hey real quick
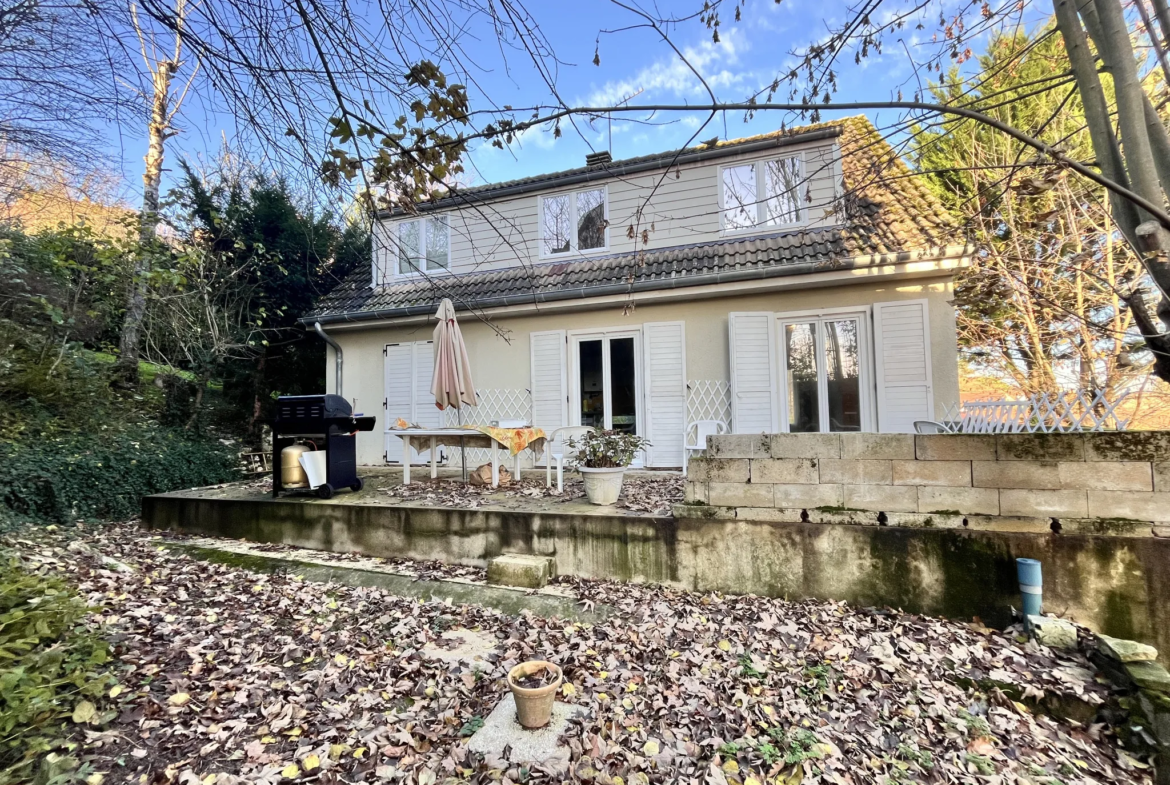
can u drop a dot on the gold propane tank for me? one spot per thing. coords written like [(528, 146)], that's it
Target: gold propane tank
[(292, 475)]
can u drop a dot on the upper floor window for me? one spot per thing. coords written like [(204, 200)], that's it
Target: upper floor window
[(424, 245), (764, 193), (573, 222)]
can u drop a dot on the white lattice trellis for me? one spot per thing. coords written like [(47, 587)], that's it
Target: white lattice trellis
[(494, 404), (1064, 413), (709, 399)]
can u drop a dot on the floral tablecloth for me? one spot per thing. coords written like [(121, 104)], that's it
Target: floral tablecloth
[(514, 439)]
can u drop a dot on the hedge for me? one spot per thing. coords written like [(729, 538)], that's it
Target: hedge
[(105, 476)]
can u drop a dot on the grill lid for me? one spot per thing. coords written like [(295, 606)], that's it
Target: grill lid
[(311, 407)]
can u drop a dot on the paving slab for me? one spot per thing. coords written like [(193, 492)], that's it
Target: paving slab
[(500, 729), (466, 647)]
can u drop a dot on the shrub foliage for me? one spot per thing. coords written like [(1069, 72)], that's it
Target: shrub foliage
[(106, 475), (53, 668)]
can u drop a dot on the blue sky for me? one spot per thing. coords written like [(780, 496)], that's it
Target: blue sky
[(748, 57)]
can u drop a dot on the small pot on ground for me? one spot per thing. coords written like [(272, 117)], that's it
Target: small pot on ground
[(602, 459), (534, 702)]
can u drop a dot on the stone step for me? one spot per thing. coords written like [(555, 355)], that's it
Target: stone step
[(518, 569)]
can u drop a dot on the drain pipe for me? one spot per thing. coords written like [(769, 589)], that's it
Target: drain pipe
[(336, 351), (1031, 586)]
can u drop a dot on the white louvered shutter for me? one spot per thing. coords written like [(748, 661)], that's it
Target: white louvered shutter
[(666, 392), (426, 413), (902, 349), (753, 372), (550, 406), (399, 392)]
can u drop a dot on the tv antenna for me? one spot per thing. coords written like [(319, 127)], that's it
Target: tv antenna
[(609, 117)]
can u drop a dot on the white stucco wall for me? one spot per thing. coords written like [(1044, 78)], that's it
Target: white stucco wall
[(500, 352)]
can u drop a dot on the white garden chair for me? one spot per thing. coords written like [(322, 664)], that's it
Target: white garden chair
[(701, 430), (557, 449)]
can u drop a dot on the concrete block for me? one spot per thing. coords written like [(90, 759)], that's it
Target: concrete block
[(1130, 504), (805, 445), (1043, 503), (1127, 446), (1016, 474), (976, 501), (1121, 650), (1162, 476), (954, 447), (1102, 476), (767, 514), (740, 494), (1006, 523), (738, 445), (790, 470), (696, 492), (502, 732), (878, 446), (516, 569), (1040, 447), (702, 512), (950, 473), (852, 472), (805, 496), (880, 498), (718, 469)]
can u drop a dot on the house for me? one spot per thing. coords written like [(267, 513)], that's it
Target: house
[(795, 281)]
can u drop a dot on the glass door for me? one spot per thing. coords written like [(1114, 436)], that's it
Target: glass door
[(607, 381), (823, 362)]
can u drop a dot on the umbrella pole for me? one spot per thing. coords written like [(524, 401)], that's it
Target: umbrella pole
[(462, 445)]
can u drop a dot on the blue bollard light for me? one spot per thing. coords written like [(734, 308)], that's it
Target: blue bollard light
[(1031, 585)]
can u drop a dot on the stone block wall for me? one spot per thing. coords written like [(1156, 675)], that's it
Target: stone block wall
[(1110, 479)]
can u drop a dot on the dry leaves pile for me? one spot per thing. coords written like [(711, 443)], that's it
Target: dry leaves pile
[(641, 493), (267, 678)]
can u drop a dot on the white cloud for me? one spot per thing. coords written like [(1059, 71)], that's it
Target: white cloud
[(716, 62)]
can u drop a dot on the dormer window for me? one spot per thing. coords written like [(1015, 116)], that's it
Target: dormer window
[(424, 245), (573, 222), (761, 194)]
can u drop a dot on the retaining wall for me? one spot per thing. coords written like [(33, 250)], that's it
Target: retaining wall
[(1114, 479)]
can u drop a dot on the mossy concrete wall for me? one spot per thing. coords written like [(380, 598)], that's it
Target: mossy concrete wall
[(1119, 585)]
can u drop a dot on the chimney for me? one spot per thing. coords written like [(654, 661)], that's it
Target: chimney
[(598, 160)]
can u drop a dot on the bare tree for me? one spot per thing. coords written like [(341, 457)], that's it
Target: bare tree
[(164, 104)]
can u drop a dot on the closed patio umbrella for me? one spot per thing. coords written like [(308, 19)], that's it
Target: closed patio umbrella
[(451, 385)]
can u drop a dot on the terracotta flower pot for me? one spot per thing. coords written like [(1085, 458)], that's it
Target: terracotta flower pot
[(534, 706)]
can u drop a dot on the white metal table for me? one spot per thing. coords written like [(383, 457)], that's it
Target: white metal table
[(435, 436)]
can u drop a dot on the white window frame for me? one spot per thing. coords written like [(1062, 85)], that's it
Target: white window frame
[(573, 249), (761, 197), (573, 371), (867, 370), (393, 250)]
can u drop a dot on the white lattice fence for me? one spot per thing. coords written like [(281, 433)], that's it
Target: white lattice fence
[(709, 399), (494, 404), (1042, 413)]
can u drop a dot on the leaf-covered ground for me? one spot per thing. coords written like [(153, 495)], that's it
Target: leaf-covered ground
[(255, 678)]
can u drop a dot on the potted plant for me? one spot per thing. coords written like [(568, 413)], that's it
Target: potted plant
[(534, 685), (602, 458)]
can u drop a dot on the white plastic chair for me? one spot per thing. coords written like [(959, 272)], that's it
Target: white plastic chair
[(702, 429), (557, 449), (930, 426)]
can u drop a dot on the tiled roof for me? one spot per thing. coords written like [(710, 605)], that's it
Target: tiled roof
[(886, 211)]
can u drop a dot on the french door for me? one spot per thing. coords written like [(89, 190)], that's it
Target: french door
[(605, 378), (825, 374)]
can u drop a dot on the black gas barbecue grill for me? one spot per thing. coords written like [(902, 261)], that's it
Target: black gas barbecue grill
[(328, 420)]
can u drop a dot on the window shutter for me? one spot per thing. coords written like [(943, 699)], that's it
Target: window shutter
[(549, 388), (902, 348), (753, 372), (399, 383), (426, 413), (666, 391)]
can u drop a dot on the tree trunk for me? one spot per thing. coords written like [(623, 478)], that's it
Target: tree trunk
[(159, 130)]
